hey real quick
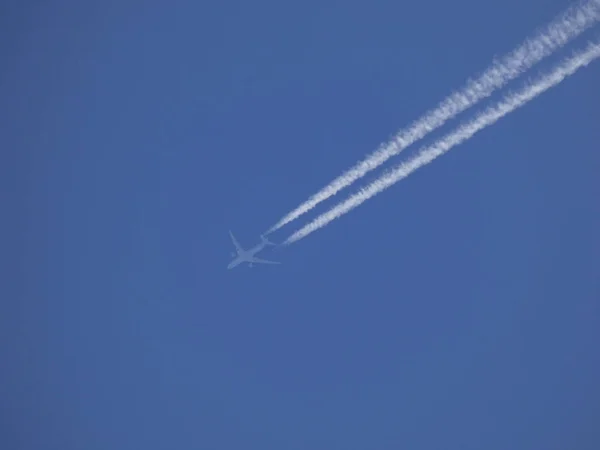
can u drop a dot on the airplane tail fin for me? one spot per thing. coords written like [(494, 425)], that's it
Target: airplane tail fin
[(266, 241)]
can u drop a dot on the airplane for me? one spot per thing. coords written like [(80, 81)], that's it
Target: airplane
[(241, 255)]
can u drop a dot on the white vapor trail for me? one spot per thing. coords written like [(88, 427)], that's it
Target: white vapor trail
[(558, 33), (427, 154)]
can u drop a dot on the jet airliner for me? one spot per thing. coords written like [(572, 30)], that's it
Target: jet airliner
[(242, 255)]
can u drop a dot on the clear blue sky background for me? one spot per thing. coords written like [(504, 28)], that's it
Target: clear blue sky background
[(458, 310)]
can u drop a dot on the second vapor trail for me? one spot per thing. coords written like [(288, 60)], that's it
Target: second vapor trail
[(461, 134), (570, 24)]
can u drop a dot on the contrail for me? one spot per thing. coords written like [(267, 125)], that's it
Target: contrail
[(566, 27), (464, 132)]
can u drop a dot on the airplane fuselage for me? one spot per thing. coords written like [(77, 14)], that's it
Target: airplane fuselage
[(245, 256), (249, 256)]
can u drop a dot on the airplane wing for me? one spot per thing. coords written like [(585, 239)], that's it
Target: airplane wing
[(238, 247), (263, 261)]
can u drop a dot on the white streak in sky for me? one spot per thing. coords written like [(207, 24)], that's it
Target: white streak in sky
[(566, 27), (427, 154)]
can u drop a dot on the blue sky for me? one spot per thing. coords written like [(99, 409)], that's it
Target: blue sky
[(458, 310)]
